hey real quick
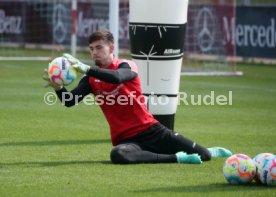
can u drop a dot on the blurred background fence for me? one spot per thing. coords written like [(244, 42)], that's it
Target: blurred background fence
[(219, 32)]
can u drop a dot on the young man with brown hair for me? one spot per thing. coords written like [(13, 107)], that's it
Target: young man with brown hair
[(136, 135)]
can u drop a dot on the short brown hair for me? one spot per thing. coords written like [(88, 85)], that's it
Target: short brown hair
[(104, 35)]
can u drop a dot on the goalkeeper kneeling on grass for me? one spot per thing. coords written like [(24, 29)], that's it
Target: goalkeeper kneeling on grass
[(136, 135)]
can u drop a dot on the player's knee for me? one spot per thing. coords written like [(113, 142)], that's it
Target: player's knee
[(118, 155)]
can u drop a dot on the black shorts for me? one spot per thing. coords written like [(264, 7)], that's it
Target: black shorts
[(160, 139)]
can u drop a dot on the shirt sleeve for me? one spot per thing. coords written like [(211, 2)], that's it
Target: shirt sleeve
[(70, 99), (124, 73)]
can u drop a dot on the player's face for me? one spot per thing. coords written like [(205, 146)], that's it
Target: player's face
[(101, 53)]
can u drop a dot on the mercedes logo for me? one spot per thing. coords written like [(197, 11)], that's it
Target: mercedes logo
[(205, 32), (59, 23)]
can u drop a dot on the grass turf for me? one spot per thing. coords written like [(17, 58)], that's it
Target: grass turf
[(55, 151)]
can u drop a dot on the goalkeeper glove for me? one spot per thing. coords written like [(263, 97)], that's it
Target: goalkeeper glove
[(81, 67), (49, 82)]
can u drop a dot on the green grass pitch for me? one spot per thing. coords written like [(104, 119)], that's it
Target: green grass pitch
[(57, 151)]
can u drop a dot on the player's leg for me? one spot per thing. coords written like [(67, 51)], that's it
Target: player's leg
[(182, 143), (131, 153), (160, 145), (152, 146), (188, 146), (160, 139)]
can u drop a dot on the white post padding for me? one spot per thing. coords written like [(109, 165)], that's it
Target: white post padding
[(158, 11), (160, 26)]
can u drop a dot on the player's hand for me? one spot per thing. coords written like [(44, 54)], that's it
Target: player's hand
[(49, 82), (81, 67)]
